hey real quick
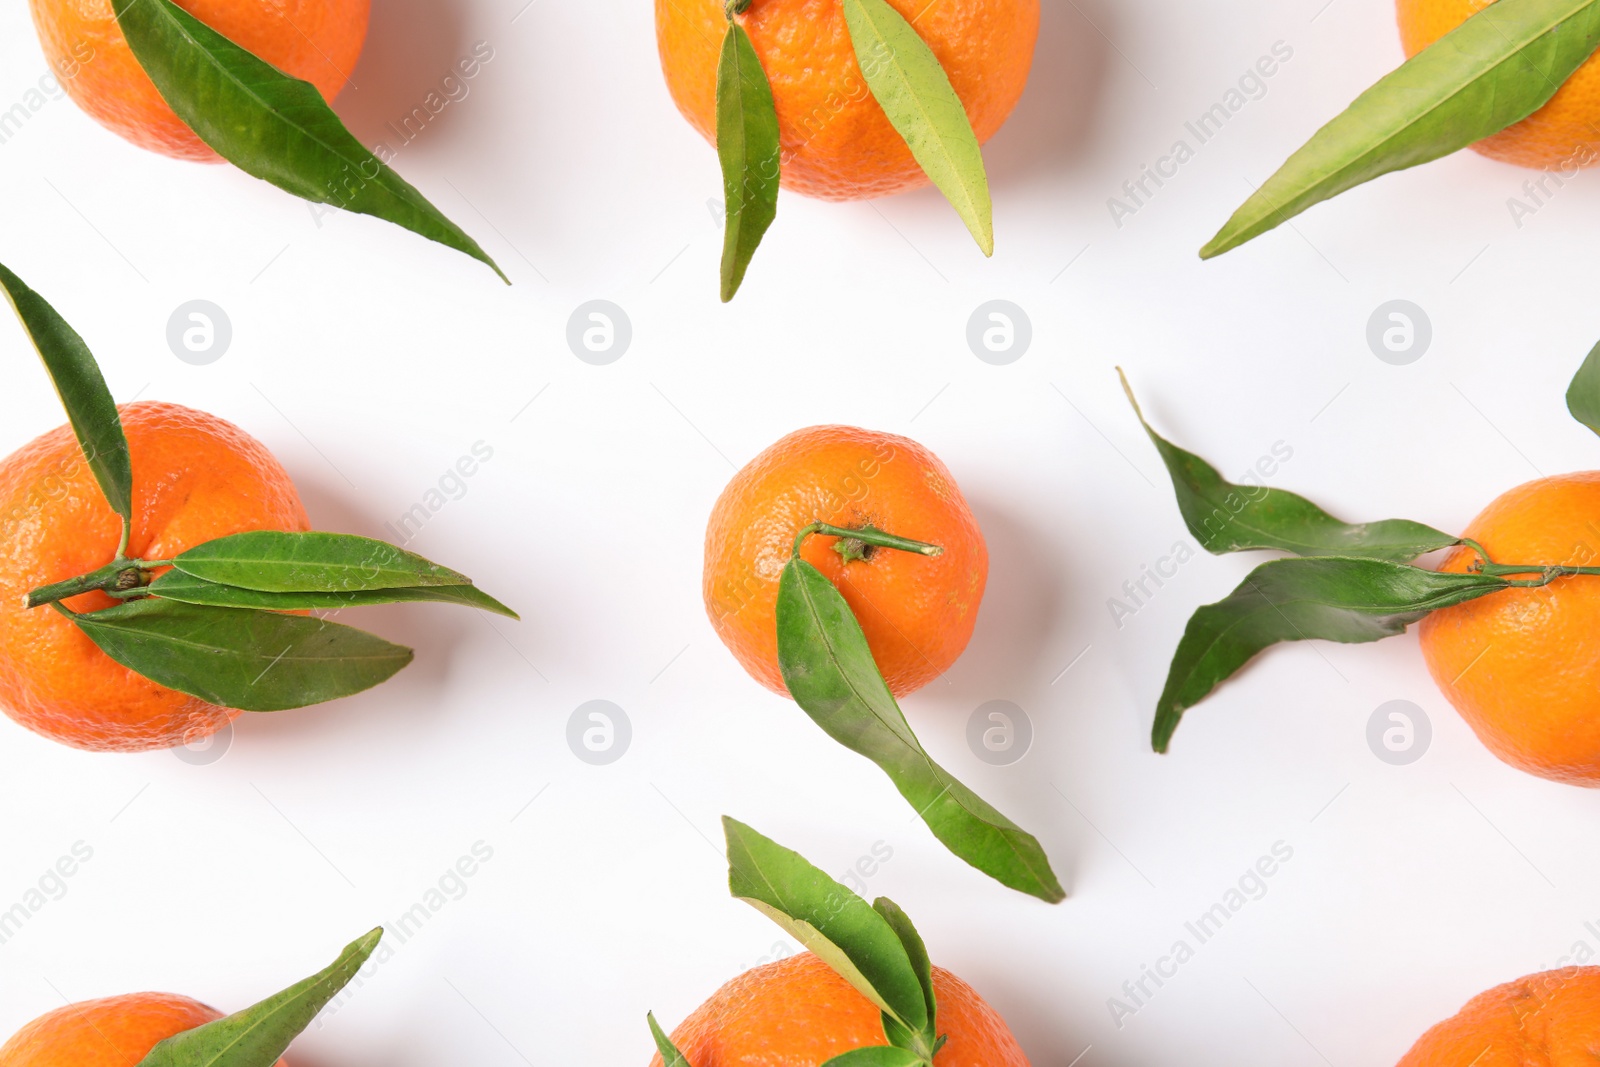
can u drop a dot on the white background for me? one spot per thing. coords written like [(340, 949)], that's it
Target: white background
[(369, 360)]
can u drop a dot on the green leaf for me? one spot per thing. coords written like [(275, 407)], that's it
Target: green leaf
[(878, 1056), (278, 562), (1583, 395), (249, 660), (828, 919), (831, 674), (258, 1036), (670, 1056), (1495, 69), (83, 392), (748, 148), (1225, 517), (1328, 599), (916, 952), (273, 126), (176, 585), (915, 92)]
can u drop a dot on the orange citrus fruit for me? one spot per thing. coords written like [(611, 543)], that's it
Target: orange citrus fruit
[(195, 478), (114, 1032), (316, 40), (1522, 666), (1564, 134), (1544, 1020), (837, 143), (917, 611), (798, 1013)]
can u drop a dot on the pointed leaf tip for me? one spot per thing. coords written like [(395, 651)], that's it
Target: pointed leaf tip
[(911, 86), (83, 391), (1493, 70), (749, 151), (273, 126)]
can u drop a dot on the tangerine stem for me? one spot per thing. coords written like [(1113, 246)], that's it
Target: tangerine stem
[(867, 535), (120, 576), (1547, 572)]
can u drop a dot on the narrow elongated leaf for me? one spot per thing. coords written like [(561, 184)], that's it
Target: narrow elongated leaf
[(1226, 517), (82, 388), (271, 125), (1328, 599), (257, 1036), (748, 148), (1495, 69), (916, 952), (878, 1056), (278, 562), (915, 92), (831, 674), (1583, 395), (249, 660), (828, 919), (176, 585), (670, 1056)]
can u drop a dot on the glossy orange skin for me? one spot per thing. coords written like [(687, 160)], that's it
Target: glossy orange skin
[(1522, 666), (195, 478), (114, 1032), (317, 40), (837, 142), (917, 611), (798, 1013), (1544, 1020), (1563, 135)]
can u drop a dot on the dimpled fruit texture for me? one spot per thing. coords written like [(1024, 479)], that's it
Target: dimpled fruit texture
[(317, 40), (1550, 1019), (837, 142), (114, 1032), (195, 478), (798, 1013)]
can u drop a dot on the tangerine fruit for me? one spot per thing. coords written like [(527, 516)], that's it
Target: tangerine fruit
[(917, 611), (195, 478), (1522, 666), (315, 40), (798, 1012), (1544, 1020), (837, 144), (114, 1032), (1563, 134)]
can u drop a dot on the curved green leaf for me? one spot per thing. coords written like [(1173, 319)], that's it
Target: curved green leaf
[(831, 674), (258, 1036), (176, 585), (248, 660), (277, 562), (1583, 395), (271, 125), (670, 1056), (916, 952), (83, 392), (748, 149), (915, 93), (1225, 517), (828, 919), (1498, 67), (1328, 599)]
